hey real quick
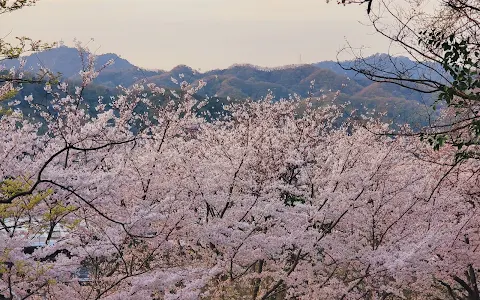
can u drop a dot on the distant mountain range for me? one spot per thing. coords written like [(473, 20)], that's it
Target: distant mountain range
[(247, 81)]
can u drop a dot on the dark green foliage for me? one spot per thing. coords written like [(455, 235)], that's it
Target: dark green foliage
[(461, 60), (291, 200)]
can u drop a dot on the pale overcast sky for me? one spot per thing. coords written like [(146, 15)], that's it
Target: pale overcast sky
[(204, 34)]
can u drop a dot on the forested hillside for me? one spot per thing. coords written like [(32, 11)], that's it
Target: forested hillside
[(238, 82)]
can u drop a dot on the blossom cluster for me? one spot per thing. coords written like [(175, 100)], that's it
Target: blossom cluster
[(270, 199)]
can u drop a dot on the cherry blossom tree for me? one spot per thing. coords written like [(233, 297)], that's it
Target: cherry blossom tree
[(272, 200)]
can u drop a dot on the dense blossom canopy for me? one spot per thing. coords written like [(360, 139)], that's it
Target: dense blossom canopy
[(272, 199)]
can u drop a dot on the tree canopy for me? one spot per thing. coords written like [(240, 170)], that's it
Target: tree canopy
[(270, 200)]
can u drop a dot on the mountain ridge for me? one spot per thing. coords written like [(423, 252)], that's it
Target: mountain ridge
[(241, 81)]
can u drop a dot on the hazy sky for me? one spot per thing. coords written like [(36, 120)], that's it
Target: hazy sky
[(203, 34)]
